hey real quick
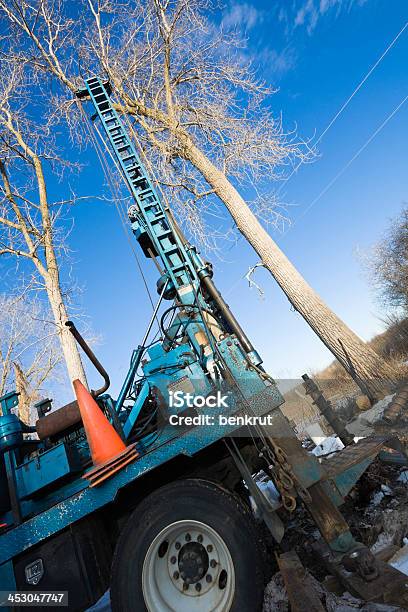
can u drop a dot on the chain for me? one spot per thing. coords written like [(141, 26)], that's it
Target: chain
[(286, 481)]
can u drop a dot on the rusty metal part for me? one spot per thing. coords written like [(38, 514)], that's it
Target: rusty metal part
[(304, 466), (363, 562), (57, 421), (395, 408), (102, 472), (352, 455), (301, 592), (281, 470), (389, 587), (286, 481), (326, 410), (269, 516)]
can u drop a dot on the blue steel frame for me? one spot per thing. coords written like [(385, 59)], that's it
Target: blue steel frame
[(86, 500), (72, 502), (152, 217)]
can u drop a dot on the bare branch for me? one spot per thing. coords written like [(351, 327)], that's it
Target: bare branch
[(29, 350)]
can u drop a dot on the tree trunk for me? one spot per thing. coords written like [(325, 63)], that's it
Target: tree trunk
[(50, 273), (371, 372), (68, 343), (26, 397)]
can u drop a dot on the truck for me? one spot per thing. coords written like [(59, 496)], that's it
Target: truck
[(152, 494)]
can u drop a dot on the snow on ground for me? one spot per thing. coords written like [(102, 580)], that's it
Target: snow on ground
[(385, 517), (276, 599), (394, 523), (327, 446), (400, 560), (403, 477), (362, 425)]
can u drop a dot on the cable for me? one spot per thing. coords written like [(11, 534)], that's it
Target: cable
[(186, 307), (327, 128), (347, 102), (216, 350), (113, 189), (334, 179), (348, 164), (121, 212), (200, 308)]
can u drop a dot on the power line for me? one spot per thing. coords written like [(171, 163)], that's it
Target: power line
[(348, 164), (347, 102), (335, 178)]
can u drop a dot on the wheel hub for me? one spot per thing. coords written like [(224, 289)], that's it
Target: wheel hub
[(188, 559), (193, 562)]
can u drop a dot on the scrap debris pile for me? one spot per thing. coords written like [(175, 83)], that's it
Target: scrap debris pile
[(377, 512)]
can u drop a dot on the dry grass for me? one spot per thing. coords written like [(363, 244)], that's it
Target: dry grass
[(336, 384), (392, 345)]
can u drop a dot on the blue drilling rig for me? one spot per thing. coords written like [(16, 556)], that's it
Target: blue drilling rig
[(166, 523)]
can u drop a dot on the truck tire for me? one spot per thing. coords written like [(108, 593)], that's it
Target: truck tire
[(190, 545)]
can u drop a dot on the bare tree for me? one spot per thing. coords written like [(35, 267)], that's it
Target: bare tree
[(202, 121), (30, 353), (389, 263), (28, 219)]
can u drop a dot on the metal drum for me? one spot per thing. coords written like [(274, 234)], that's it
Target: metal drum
[(11, 435)]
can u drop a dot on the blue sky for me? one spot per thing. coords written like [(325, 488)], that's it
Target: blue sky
[(315, 52), (323, 50)]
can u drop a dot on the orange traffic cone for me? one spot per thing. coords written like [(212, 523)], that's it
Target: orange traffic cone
[(104, 442)]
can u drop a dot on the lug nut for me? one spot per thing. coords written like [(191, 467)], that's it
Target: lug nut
[(198, 586), (213, 563), (178, 545), (208, 578), (200, 538), (209, 548), (188, 537), (185, 586), (176, 575)]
